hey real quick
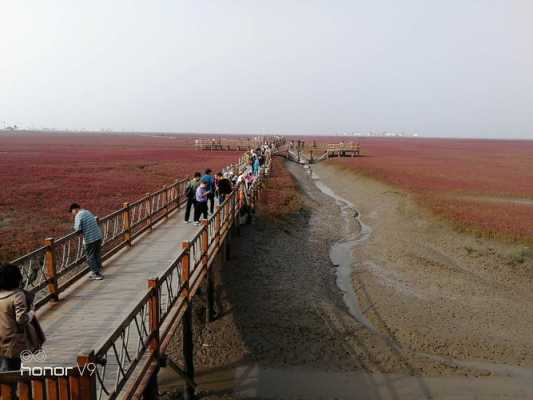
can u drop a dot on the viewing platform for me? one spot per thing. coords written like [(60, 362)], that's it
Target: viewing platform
[(343, 150)]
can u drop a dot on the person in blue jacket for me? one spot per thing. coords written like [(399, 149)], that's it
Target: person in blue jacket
[(210, 182), (256, 166)]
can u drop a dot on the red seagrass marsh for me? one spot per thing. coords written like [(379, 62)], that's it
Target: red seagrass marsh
[(42, 174), (483, 186)]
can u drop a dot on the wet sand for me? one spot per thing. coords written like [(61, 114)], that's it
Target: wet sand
[(439, 294), (313, 306)]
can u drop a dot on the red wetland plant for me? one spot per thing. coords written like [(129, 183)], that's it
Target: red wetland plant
[(41, 175), (483, 186)]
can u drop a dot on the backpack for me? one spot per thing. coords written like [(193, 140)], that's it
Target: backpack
[(189, 191)]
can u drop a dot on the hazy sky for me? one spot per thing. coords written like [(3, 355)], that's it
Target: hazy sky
[(436, 67)]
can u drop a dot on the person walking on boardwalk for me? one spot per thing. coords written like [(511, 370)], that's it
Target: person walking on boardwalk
[(190, 192), (17, 334), (256, 166), (210, 181), (224, 187), (200, 205), (85, 223)]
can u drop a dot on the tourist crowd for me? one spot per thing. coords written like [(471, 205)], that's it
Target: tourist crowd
[(202, 190)]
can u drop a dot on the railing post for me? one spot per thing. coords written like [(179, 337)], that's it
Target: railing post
[(209, 314), (239, 201), (165, 200), (217, 228), (87, 381), (51, 268), (187, 342), (231, 210), (149, 208), (151, 390), (230, 227), (178, 194), (223, 239), (153, 313), (205, 243), (52, 388), (7, 391), (126, 223)]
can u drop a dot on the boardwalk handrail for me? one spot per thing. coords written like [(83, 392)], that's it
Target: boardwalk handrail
[(51, 269)]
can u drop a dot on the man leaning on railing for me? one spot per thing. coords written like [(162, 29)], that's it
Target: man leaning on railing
[(85, 223)]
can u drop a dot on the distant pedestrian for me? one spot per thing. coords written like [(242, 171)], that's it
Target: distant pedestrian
[(210, 181), (224, 187), (85, 223), (19, 329), (256, 166), (200, 205), (190, 192), (249, 180)]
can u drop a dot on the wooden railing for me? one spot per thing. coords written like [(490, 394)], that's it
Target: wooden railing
[(126, 362), (235, 144), (52, 268)]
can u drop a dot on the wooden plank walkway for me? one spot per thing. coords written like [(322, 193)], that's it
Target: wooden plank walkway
[(90, 310)]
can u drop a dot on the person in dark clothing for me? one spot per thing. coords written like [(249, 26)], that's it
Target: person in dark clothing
[(224, 187), (210, 181), (190, 192)]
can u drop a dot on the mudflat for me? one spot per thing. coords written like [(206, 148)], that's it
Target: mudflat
[(365, 297), (463, 300)]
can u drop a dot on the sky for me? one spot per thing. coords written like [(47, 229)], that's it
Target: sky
[(458, 68)]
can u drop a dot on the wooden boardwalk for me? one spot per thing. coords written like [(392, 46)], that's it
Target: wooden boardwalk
[(90, 310), (122, 325)]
